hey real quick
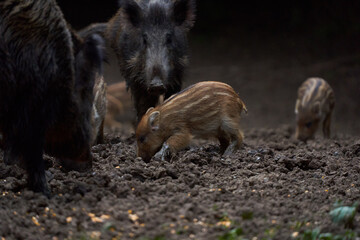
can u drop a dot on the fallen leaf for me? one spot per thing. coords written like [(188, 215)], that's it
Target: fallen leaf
[(95, 234), (133, 217), (225, 223), (35, 221)]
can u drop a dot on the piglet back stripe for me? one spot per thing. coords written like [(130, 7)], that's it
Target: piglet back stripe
[(315, 90), (198, 95)]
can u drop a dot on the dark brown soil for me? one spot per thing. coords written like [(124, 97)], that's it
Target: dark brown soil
[(273, 188), (279, 183)]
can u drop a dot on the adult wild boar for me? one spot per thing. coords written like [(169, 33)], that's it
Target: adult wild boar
[(47, 77), (149, 38)]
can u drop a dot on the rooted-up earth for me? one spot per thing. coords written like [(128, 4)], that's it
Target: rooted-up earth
[(274, 187)]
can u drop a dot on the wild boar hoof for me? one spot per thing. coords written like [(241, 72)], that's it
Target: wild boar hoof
[(164, 153)]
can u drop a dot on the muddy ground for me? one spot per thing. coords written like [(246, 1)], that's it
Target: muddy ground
[(274, 187)]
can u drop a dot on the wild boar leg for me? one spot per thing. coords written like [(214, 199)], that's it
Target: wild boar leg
[(143, 101), (164, 152), (224, 144), (224, 140), (26, 146), (36, 168), (235, 144), (175, 143), (326, 125)]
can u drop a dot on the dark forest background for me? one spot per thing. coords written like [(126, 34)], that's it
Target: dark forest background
[(265, 50), (326, 18)]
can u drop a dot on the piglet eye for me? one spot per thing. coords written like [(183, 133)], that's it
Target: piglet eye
[(308, 124), (142, 139)]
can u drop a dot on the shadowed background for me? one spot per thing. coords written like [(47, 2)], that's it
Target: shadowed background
[(265, 50)]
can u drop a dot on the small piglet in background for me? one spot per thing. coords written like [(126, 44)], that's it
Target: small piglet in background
[(99, 110), (119, 107), (203, 110), (314, 105)]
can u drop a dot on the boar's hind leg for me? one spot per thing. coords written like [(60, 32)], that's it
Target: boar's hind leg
[(326, 125), (35, 167), (230, 126), (236, 143), (27, 144), (224, 140)]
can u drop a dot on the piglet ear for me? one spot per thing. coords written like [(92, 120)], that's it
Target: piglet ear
[(154, 120), (130, 12), (151, 108), (184, 13)]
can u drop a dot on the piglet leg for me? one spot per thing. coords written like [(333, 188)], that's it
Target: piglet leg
[(164, 152), (174, 144), (231, 148), (235, 144)]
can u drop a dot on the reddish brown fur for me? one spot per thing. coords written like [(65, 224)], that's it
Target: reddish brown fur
[(203, 110), (314, 105), (119, 105)]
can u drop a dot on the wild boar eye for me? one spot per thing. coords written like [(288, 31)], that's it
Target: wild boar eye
[(145, 39), (308, 124), (168, 39)]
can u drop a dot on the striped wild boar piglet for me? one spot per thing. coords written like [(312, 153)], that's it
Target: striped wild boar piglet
[(314, 105), (47, 76), (149, 38), (120, 107), (203, 110)]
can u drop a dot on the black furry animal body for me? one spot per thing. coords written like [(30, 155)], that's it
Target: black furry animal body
[(149, 38), (47, 76)]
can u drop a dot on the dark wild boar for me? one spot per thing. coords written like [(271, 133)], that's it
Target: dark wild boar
[(47, 76), (203, 110), (149, 38), (314, 105)]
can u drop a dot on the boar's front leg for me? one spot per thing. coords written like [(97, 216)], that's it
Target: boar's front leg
[(175, 143), (143, 101), (164, 152), (172, 90)]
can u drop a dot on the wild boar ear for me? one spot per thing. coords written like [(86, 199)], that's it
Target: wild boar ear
[(316, 109), (184, 13), (131, 12), (151, 108), (154, 120)]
